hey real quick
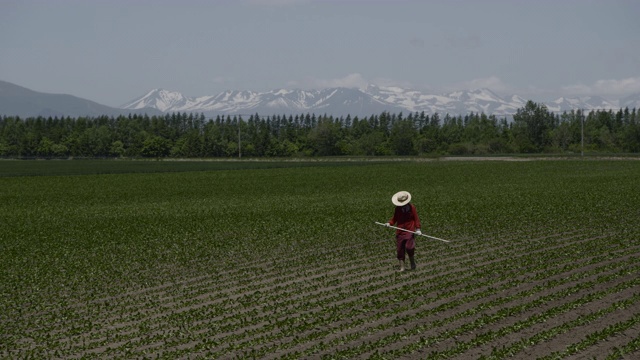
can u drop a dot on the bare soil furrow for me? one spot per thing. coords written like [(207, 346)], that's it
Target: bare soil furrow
[(624, 346), (206, 294), (198, 303), (575, 334), (459, 340), (525, 341), (339, 335), (224, 283), (425, 330), (184, 289)]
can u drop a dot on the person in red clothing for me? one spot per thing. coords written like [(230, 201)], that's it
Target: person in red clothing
[(406, 217)]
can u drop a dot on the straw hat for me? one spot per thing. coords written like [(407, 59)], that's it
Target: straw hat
[(401, 198)]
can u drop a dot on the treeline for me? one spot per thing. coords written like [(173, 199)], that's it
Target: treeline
[(533, 129)]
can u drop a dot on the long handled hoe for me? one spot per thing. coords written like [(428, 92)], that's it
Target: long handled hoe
[(413, 232)]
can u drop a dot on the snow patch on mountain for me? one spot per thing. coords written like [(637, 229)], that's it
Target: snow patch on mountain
[(360, 102), (160, 99), (631, 102)]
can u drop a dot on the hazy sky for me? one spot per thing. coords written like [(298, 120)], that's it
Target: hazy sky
[(112, 51)]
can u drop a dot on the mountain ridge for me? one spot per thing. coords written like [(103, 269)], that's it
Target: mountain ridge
[(337, 101), (340, 101), (16, 100)]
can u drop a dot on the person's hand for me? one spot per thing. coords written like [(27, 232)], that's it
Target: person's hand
[(418, 232), (387, 224)]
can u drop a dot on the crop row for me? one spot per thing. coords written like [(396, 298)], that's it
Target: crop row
[(160, 267), (250, 316), (194, 287)]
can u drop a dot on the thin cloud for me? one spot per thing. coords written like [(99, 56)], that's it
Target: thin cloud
[(386, 82), (354, 80), (222, 80), (276, 2), (492, 83), (417, 42), (606, 88), (613, 89), (463, 39)]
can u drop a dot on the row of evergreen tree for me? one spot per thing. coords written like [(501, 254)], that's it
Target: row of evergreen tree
[(533, 129)]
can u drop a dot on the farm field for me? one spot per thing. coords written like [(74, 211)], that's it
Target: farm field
[(210, 261)]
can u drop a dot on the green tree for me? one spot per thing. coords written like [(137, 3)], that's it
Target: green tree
[(630, 136), (451, 131), (324, 137), (373, 144), (531, 127), (562, 135), (156, 146), (59, 150), (45, 148), (117, 148), (402, 137), (193, 144)]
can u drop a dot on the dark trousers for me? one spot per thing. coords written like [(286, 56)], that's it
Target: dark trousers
[(405, 244)]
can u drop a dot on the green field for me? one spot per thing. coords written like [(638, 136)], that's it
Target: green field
[(155, 259)]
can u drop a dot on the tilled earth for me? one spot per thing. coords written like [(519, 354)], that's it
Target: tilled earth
[(569, 294)]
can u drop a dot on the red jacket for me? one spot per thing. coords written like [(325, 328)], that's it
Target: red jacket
[(405, 217)]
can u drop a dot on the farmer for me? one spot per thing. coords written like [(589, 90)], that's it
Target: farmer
[(406, 217)]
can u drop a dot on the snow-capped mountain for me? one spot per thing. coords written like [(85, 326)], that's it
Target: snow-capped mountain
[(587, 103), (371, 100), (631, 102), (334, 101), (455, 103), (360, 102), (159, 99)]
